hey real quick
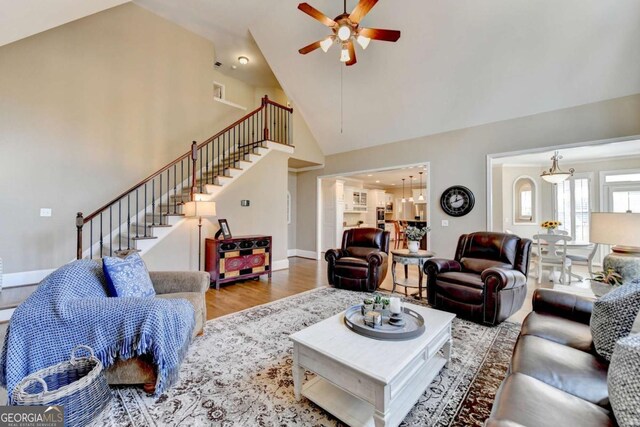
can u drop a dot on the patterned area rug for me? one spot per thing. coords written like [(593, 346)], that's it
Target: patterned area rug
[(239, 373)]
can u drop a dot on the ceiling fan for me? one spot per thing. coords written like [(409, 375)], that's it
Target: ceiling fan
[(346, 29)]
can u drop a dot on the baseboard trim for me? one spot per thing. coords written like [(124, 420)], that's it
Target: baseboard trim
[(24, 277), (282, 264), (302, 254)]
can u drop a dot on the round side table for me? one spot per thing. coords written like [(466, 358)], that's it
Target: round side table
[(406, 258)]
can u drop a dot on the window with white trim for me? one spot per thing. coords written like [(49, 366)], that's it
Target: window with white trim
[(573, 201)]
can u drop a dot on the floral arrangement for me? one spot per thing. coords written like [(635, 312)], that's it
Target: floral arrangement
[(610, 277), (551, 225), (416, 234)]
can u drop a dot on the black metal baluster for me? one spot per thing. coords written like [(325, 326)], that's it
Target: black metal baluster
[(160, 197), (145, 209), (182, 182), (111, 230), (128, 222), (153, 201), (189, 173), (175, 186), (200, 155), (120, 224), (207, 164), (137, 215), (91, 239), (101, 241)]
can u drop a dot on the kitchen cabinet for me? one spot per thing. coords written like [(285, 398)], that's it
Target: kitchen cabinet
[(355, 200)]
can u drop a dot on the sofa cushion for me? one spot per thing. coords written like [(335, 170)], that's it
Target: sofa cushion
[(525, 400), (463, 293), (624, 388), (576, 372), (352, 261), (478, 265), (360, 251), (558, 329), (613, 316), (197, 300), (467, 279), (127, 277)]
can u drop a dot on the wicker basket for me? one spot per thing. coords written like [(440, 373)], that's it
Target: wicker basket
[(79, 385)]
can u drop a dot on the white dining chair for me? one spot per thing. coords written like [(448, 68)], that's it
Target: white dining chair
[(581, 259), (552, 253)]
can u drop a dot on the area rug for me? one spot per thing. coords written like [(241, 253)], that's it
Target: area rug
[(239, 373)]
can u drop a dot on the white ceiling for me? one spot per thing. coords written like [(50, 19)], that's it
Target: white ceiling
[(458, 63), (390, 179), (226, 24), (24, 18), (588, 153)]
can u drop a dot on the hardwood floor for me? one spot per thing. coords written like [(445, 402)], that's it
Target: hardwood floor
[(303, 275)]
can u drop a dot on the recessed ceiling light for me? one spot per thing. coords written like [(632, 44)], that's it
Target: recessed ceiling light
[(243, 60), (369, 175), (233, 67), (392, 184), (377, 181)]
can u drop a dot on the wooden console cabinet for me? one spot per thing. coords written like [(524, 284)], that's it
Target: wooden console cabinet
[(238, 258)]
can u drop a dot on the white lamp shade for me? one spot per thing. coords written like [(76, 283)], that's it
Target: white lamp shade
[(199, 209), (615, 228)]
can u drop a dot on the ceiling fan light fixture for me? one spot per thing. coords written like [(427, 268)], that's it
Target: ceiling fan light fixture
[(327, 43), (344, 54), (243, 60), (344, 33), (363, 41)]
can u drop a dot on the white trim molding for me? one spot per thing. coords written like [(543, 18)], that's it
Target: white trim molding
[(24, 277), (302, 254), (281, 264)]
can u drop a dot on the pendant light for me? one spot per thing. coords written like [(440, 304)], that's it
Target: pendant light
[(411, 188), (403, 199), (555, 175), (421, 197)]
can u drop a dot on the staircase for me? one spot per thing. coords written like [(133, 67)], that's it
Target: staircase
[(144, 214)]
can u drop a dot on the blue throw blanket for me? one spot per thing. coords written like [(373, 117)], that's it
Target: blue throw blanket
[(71, 307)]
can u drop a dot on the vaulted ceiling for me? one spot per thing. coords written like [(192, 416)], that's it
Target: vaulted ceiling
[(458, 63)]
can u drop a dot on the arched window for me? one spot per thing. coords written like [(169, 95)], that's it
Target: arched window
[(524, 201)]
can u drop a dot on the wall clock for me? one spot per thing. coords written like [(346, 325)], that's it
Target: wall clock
[(457, 200)]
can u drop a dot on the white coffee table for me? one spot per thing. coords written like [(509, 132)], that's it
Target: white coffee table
[(367, 382)]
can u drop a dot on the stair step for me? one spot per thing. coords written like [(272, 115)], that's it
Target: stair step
[(175, 214), (143, 238)]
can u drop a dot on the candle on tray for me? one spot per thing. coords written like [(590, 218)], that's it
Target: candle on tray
[(395, 306)]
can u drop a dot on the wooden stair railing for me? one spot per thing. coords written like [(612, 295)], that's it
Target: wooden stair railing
[(132, 215)]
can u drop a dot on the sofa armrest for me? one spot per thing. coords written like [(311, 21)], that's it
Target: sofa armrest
[(492, 422), (441, 265), (169, 282), (563, 304), (377, 258), (334, 254), (496, 279)]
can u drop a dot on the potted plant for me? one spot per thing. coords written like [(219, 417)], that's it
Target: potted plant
[(550, 226), (377, 303), (414, 235), (603, 281), (367, 305), (385, 303)]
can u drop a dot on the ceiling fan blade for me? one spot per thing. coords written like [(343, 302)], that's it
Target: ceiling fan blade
[(379, 34), (316, 14), (361, 10), (310, 48), (352, 54)]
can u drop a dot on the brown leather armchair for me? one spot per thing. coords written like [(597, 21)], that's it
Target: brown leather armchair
[(361, 264), (487, 280)]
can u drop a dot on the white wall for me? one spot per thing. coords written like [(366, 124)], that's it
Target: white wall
[(292, 187), (460, 157)]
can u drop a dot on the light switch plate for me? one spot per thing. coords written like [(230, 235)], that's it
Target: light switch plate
[(245, 203), (445, 222), (45, 211)]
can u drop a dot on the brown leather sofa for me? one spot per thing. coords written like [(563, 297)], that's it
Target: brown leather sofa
[(555, 377), (190, 285), (487, 280), (361, 264)]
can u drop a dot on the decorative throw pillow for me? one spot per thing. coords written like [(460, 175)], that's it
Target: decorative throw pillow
[(613, 316), (622, 379), (127, 277)]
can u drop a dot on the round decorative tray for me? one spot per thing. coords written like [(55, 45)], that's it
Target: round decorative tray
[(413, 327)]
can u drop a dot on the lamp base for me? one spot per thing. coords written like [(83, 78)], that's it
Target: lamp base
[(626, 264)]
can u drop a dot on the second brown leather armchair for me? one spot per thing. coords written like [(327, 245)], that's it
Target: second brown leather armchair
[(487, 280), (361, 264)]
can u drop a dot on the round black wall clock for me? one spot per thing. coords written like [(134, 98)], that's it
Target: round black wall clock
[(457, 200)]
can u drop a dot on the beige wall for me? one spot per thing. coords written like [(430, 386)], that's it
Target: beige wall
[(265, 186), (90, 108), (459, 157), (292, 186)]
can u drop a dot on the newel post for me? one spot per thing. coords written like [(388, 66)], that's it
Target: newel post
[(194, 157), (265, 117), (79, 225)]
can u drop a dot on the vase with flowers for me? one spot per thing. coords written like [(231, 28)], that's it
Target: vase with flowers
[(551, 226), (414, 235)]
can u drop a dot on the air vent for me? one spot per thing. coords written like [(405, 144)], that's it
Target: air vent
[(217, 64)]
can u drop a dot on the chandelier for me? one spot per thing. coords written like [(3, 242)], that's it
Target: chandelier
[(555, 175)]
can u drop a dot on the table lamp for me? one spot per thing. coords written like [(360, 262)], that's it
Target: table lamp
[(199, 209), (623, 231)]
